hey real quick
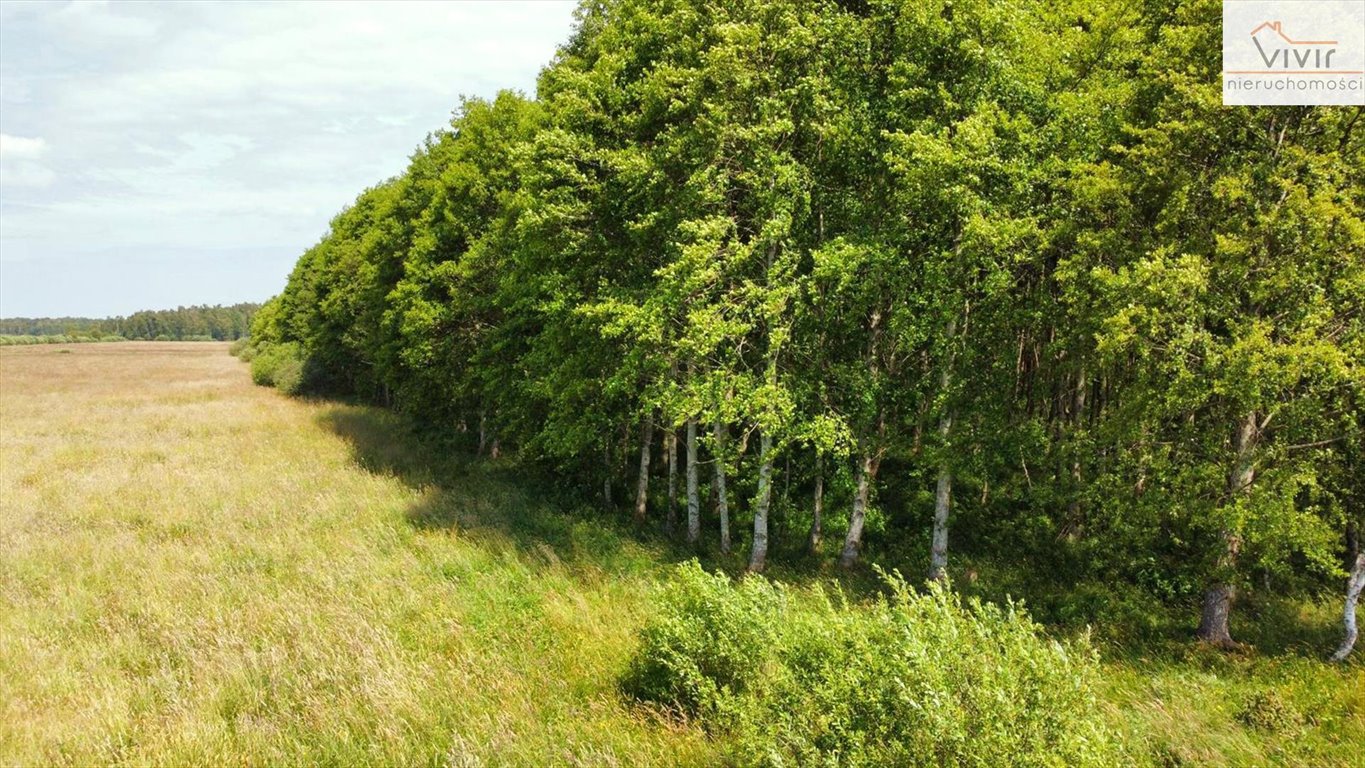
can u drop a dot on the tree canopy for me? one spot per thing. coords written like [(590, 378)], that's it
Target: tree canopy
[(998, 276)]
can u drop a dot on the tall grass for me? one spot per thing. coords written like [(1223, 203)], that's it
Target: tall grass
[(197, 571)]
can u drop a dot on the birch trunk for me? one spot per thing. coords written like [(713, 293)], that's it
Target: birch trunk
[(758, 558), (817, 522), (853, 542), (693, 504), (1074, 512), (1213, 623), (722, 503), (943, 501), (1353, 589), (671, 452), (642, 487), (943, 493)]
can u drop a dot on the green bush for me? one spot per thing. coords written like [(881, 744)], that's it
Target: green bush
[(794, 679), (279, 366), (1268, 711), (701, 650), (239, 347)]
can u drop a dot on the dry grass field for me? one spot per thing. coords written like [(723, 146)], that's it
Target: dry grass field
[(198, 571)]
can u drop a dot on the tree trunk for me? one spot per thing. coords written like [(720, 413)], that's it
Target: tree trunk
[(1213, 623), (1074, 513), (817, 524), (943, 494), (606, 475), (1353, 589), (642, 488), (722, 503), (483, 431), (853, 542), (693, 504), (943, 503), (758, 558), (671, 452)]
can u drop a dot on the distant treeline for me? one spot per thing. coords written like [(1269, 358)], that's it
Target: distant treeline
[(196, 323)]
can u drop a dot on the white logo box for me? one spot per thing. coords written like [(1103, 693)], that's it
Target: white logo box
[(1294, 52)]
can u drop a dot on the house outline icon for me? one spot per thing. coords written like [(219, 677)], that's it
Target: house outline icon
[(1278, 29)]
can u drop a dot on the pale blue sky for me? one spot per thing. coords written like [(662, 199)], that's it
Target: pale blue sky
[(158, 154)]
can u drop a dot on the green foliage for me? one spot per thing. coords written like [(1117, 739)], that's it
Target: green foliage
[(1017, 251), (239, 348), (794, 678), (702, 652), (280, 366)]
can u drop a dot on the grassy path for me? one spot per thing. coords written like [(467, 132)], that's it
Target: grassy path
[(194, 570)]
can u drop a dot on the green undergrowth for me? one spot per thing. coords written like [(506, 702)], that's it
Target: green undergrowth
[(801, 677)]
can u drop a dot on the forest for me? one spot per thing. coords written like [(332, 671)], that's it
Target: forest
[(193, 323), (885, 281)]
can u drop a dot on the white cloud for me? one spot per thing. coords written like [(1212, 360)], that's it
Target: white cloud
[(21, 148), (17, 163)]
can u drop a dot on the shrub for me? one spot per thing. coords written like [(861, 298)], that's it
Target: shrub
[(700, 651), (239, 347), (1268, 711), (280, 366), (911, 679)]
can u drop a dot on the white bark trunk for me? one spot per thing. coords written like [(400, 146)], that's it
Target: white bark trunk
[(817, 531), (1353, 589), (671, 452), (943, 504), (1074, 513), (758, 558), (642, 487), (1213, 623), (722, 503), (943, 493), (693, 504), (853, 541)]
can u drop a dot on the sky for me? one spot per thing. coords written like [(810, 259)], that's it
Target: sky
[(161, 154)]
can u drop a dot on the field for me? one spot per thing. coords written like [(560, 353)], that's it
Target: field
[(195, 570)]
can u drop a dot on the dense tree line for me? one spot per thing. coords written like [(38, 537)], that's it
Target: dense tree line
[(917, 275), (194, 323)]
